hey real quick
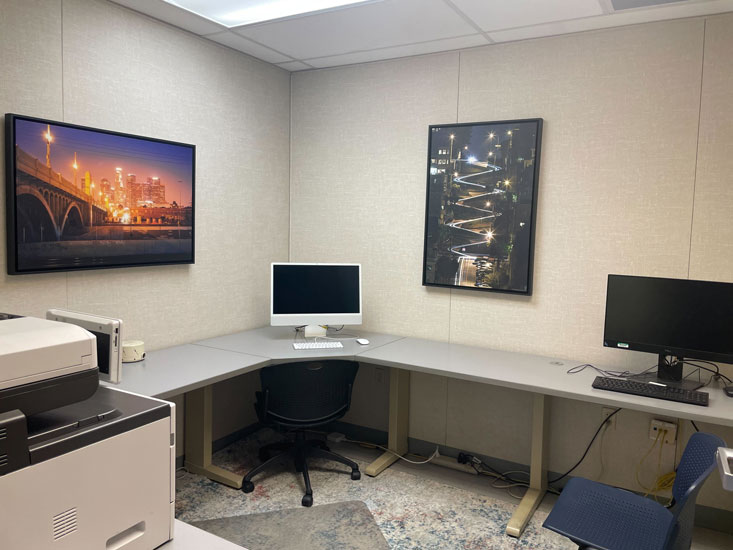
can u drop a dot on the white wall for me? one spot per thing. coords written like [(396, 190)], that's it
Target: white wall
[(617, 192), (94, 63)]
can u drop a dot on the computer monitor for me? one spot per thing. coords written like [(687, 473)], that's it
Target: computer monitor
[(315, 295), (675, 318)]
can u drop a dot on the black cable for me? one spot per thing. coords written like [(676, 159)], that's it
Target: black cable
[(586, 449), (695, 426), (607, 373), (715, 372)]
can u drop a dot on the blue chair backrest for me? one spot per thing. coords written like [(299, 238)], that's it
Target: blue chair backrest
[(697, 463)]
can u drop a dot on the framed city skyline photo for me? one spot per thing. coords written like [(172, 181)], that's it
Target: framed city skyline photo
[(481, 205), (84, 198)]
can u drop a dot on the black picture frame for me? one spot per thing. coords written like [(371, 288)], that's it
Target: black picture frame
[(85, 213), (481, 205)]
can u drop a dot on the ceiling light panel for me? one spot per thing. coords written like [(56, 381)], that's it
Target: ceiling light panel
[(235, 13), (374, 26), (491, 15)]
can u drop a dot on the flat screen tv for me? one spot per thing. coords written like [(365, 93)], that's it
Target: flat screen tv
[(84, 198)]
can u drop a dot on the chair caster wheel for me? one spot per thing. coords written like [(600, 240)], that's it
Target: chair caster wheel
[(355, 474), (248, 486), (307, 500)]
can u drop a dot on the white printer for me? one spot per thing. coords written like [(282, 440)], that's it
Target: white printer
[(81, 466)]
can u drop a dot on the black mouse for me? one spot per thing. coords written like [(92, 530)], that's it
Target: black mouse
[(728, 391)]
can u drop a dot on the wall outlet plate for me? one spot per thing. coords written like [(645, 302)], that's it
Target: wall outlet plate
[(657, 426)]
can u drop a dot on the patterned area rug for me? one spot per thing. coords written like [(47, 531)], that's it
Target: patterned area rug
[(328, 527), (412, 512)]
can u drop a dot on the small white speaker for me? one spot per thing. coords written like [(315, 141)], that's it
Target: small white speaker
[(133, 351)]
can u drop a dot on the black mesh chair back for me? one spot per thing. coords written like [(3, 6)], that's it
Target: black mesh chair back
[(305, 395), (298, 396)]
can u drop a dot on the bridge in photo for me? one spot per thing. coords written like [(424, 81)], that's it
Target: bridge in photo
[(48, 206)]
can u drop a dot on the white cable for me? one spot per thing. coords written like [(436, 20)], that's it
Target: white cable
[(398, 455)]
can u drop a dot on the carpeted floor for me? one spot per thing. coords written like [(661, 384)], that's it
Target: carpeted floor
[(412, 512)]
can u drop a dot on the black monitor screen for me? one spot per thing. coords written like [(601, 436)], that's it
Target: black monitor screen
[(315, 289), (670, 316)]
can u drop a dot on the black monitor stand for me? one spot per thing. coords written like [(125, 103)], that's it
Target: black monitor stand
[(669, 374)]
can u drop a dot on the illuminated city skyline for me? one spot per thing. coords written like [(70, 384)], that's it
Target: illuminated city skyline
[(101, 154)]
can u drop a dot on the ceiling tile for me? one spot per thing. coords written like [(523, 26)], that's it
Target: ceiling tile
[(247, 46), (660, 13), (400, 51), (365, 27), (173, 15), (294, 66), (491, 15)]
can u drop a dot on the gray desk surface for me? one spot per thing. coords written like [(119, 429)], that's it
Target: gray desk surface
[(172, 371), (188, 537), (179, 369), (533, 373), (276, 343)]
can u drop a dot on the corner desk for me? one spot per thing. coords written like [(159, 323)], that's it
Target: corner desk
[(193, 368)]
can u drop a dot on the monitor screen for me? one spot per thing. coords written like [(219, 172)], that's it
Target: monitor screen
[(316, 294), (679, 317)]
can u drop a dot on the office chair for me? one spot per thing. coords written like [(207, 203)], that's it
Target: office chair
[(598, 517), (298, 396)]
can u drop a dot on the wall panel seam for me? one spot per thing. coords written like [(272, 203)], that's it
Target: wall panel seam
[(697, 146)]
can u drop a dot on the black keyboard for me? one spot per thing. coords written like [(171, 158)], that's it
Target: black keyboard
[(651, 390)]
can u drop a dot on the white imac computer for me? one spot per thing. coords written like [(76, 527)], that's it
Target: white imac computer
[(315, 295)]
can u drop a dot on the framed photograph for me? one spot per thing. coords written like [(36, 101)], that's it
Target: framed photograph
[(481, 205), (84, 198)]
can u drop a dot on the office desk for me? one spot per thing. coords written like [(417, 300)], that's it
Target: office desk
[(276, 344), (542, 376), (194, 367)]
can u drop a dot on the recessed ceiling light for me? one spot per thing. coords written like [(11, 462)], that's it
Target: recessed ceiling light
[(234, 13)]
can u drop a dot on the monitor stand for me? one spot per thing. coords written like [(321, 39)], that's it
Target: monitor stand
[(315, 331), (669, 375)]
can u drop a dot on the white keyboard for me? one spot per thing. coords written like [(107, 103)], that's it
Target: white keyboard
[(317, 345)]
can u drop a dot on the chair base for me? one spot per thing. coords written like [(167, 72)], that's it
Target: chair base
[(299, 451)]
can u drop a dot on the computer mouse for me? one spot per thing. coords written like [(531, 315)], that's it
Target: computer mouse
[(728, 391), (364, 342)]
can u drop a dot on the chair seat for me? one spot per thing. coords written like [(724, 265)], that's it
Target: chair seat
[(596, 515)]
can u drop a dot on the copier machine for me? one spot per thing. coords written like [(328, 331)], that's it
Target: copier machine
[(82, 467)]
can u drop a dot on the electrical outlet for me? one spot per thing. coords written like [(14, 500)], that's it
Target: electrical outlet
[(608, 411), (656, 426)]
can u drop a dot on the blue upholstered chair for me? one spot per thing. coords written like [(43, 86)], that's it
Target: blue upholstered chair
[(598, 517)]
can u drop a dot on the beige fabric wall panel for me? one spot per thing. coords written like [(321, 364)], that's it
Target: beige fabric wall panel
[(711, 256), (370, 399), (617, 174), (428, 407), (125, 72), (490, 420), (30, 56), (359, 150)]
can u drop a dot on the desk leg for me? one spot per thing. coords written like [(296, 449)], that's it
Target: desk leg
[(537, 469), (198, 419), (399, 416)]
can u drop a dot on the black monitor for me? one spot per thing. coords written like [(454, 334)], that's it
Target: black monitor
[(675, 318)]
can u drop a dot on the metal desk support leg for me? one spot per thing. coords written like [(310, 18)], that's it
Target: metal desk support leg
[(399, 416), (198, 417), (537, 469)]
